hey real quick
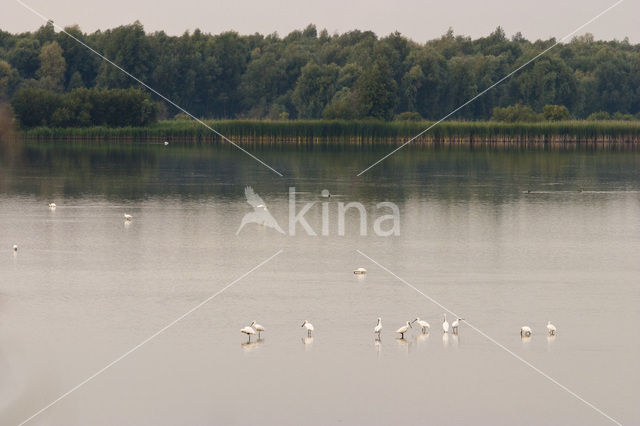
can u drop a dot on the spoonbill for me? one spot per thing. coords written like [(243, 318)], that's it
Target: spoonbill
[(551, 328), (166, 143), (423, 324), (445, 324), (325, 193), (257, 327), (15, 247), (378, 327), (455, 324), (404, 329), (128, 217), (248, 331), (525, 331), (360, 271), (306, 324), (52, 206)]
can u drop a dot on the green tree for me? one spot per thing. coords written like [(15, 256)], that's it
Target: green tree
[(555, 113), (52, 67), (314, 89)]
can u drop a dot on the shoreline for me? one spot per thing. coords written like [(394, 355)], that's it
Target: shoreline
[(353, 132)]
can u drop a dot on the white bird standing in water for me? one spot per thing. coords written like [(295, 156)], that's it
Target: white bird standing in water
[(248, 331), (52, 206), (378, 327), (306, 324), (257, 327), (551, 328), (445, 324), (525, 331), (15, 248), (423, 324), (128, 217), (404, 329), (455, 325)]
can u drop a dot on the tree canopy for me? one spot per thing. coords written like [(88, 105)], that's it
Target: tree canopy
[(312, 74)]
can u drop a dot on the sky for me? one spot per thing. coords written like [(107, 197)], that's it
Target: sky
[(420, 20)]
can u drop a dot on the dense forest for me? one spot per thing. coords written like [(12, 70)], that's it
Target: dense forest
[(52, 80)]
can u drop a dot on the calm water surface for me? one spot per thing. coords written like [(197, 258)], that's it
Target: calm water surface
[(85, 287)]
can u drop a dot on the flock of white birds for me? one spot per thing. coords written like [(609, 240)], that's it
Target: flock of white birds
[(250, 330)]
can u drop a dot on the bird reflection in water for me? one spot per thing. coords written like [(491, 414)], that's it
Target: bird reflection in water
[(550, 339), (403, 343), (252, 346), (445, 340), (455, 340), (377, 343), (307, 342), (422, 338), (525, 339)]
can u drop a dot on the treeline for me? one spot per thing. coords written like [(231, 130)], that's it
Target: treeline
[(84, 108), (309, 74)]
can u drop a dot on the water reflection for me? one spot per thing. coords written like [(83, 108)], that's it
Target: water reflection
[(422, 338), (251, 346), (307, 342), (445, 340), (550, 339), (454, 340), (377, 343), (403, 343), (139, 170)]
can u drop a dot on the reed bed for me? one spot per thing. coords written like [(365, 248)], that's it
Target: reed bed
[(365, 131)]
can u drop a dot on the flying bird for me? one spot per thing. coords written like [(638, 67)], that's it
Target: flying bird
[(260, 213)]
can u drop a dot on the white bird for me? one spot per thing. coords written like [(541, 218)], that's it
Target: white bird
[(404, 329), (260, 213), (423, 324), (248, 331), (551, 328), (360, 271), (257, 327), (15, 247), (52, 206), (166, 143), (455, 324), (128, 217), (445, 324), (525, 331), (378, 327), (306, 324)]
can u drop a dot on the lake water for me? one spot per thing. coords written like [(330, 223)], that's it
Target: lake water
[(84, 287)]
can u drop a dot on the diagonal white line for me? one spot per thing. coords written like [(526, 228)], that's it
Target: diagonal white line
[(491, 87), (35, 12), (145, 341), (492, 340)]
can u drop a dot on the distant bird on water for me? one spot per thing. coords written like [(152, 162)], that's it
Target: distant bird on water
[(378, 328), (551, 328), (423, 324), (404, 329), (166, 143), (248, 331), (15, 248), (455, 325), (52, 206), (306, 324), (525, 331), (445, 324), (128, 217), (257, 327), (360, 271)]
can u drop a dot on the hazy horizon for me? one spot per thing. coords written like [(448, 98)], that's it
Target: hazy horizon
[(418, 21)]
